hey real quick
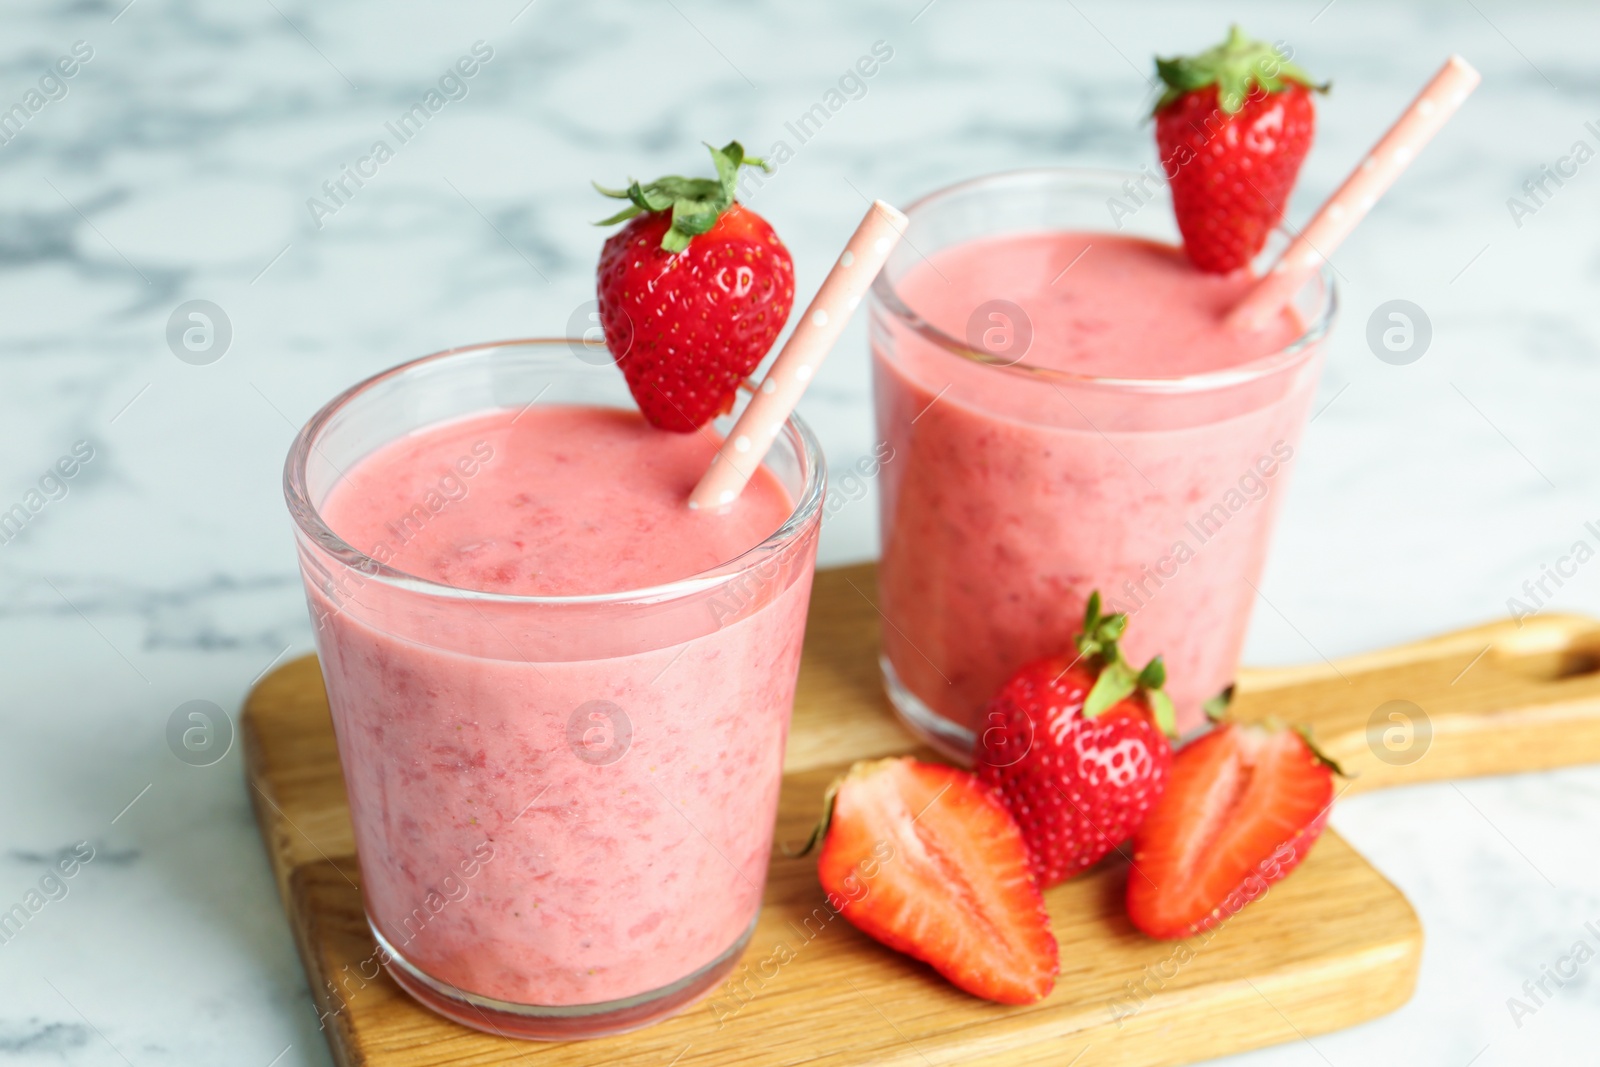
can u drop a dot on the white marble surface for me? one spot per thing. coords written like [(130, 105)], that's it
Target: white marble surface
[(178, 164)]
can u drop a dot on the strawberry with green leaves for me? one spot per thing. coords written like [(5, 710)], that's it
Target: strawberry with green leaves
[(1233, 125), (1077, 747), (693, 291)]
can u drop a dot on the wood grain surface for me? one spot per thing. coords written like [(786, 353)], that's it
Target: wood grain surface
[(1330, 946)]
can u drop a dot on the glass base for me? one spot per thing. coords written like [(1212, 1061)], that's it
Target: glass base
[(953, 741), (532, 1022)]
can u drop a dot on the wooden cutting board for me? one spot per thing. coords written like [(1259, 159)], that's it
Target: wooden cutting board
[(1332, 945)]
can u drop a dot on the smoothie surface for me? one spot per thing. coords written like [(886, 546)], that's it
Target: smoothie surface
[(559, 500), (1100, 304)]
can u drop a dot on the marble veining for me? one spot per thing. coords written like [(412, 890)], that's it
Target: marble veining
[(176, 163)]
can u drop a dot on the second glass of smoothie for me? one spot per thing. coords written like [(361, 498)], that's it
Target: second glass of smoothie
[(561, 697), (1067, 413)]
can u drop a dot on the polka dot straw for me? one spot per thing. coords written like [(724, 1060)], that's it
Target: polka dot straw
[(814, 336), (1428, 113)]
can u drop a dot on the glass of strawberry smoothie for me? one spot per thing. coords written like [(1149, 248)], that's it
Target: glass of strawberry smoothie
[(561, 697), (1067, 413)]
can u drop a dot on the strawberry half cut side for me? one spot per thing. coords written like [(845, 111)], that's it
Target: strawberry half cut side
[(925, 859), (1243, 806)]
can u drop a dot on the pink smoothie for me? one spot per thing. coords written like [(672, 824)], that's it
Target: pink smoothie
[(1014, 494), (560, 804)]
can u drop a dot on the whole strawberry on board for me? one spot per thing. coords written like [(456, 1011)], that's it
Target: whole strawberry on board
[(692, 291), (1244, 806), (1232, 126), (1077, 747), (924, 858)]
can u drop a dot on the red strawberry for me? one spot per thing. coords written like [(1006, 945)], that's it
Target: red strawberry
[(1077, 748), (925, 858), (1245, 804), (1232, 127), (692, 292)]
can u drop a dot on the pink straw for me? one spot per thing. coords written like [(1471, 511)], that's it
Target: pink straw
[(814, 336), (1427, 114)]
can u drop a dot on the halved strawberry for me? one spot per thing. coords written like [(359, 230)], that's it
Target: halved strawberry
[(924, 858), (1243, 806)]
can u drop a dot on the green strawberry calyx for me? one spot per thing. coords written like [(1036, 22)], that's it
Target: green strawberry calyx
[(1118, 680), (1273, 725), (1237, 67), (820, 830), (1216, 708), (696, 203), (1317, 752)]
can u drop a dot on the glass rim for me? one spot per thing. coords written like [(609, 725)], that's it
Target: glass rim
[(885, 295), (310, 523)]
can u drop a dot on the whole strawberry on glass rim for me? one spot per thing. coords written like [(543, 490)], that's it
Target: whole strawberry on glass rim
[(1077, 748), (693, 291), (1233, 125)]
